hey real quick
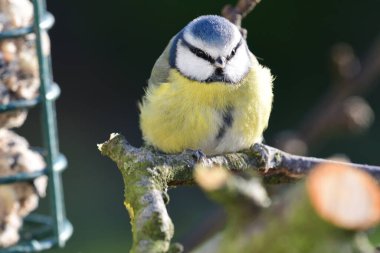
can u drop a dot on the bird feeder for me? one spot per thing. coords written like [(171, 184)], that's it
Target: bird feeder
[(41, 232)]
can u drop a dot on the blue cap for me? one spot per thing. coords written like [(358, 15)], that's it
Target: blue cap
[(212, 29)]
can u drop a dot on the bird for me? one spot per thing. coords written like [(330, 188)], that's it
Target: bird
[(206, 92)]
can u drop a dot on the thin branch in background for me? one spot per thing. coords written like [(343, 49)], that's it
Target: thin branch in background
[(342, 108), (235, 14)]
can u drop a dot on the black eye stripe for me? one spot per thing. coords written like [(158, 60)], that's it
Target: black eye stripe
[(198, 52), (233, 52), (202, 54)]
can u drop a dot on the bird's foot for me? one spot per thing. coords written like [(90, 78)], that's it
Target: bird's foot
[(198, 155), (262, 156)]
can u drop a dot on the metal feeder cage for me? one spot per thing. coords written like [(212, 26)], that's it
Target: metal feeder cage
[(42, 232)]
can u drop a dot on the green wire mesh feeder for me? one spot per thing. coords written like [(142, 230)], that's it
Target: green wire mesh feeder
[(41, 232)]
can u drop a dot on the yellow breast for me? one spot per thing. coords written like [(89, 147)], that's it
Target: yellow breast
[(184, 114)]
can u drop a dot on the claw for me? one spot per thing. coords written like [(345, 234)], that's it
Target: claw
[(198, 155), (262, 156)]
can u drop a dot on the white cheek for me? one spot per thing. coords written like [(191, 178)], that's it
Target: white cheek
[(238, 66), (192, 66)]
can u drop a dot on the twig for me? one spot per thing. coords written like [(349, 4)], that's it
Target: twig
[(237, 13), (338, 110)]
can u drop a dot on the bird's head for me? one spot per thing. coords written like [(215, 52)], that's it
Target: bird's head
[(211, 49)]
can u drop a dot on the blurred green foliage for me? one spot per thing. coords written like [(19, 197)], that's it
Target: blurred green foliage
[(102, 56)]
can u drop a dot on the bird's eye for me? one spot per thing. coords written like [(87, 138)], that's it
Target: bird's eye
[(233, 52), (198, 52), (201, 54)]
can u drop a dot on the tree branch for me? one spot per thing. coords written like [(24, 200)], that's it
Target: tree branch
[(243, 197), (332, 204), (148, 173), (237, 13), (274, 165), (145, 197)]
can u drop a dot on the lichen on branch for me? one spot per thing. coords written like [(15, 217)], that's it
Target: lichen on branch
[(273, 164), (148, 174)]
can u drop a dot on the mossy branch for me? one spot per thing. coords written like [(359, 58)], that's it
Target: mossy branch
[(334, 204), (148, 173), (274, 165), (145, 196)]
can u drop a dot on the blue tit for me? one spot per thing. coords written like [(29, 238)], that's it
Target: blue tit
[(206, 91)]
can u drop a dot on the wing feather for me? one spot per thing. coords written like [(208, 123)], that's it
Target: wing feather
[(160, 71)]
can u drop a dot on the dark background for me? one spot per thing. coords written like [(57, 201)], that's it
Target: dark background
[(103, 52)]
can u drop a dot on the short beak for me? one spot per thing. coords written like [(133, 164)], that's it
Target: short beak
[(220, 62)]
